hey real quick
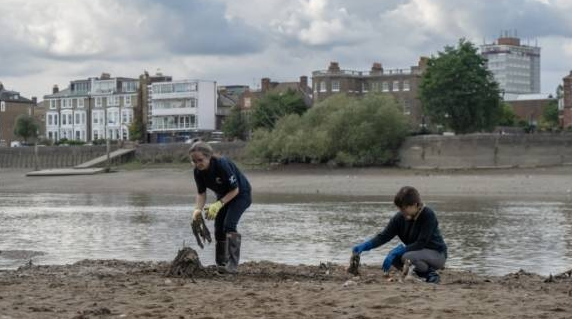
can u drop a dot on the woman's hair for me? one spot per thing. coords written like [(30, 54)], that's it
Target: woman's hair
[(202, 147), (407, 196)]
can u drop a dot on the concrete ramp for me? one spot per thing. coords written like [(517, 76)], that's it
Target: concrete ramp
[(102, 159), (67, 172)]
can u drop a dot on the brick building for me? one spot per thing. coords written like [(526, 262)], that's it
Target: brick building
[(249, 97), (402, 84), (12, 105), (565, 105), (529, 107)]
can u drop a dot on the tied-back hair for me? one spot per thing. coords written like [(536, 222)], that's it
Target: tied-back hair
[(203, 148)]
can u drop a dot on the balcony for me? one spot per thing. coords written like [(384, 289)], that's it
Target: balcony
[(171, 127)]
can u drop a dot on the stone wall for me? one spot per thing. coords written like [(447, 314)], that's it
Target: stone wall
[(49, 156), (486, 150), (179, 152)]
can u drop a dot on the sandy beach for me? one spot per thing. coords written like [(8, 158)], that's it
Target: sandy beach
[(117, 289)]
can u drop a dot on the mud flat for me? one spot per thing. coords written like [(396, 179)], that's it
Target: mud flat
[(121, 289)]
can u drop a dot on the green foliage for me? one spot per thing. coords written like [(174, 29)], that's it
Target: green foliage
[(235, 125), (549, 119), (100, 141), (342, 130), (65, 141), (136, 131), (26, 127), (274, 106), (457, 90), (507, 117)]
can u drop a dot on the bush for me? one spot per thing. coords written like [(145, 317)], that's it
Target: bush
[(349, 132)]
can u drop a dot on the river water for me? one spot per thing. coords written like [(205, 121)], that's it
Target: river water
[(484, 236)]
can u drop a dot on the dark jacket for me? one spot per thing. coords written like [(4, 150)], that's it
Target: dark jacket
[(421, 233)]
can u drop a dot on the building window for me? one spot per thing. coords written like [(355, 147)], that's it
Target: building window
[(49, 119), (64, 119), (98, 102), (112, 101), (335, 86), (95, 135), (247, 102), (385, 87), (56, 120), (323, 86), (77, 118), (80, 103), (2, 106), (365, 87), (395, 86), (53, 104), (406, 85), (128, 100)]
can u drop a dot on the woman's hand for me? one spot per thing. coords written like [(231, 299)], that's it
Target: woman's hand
[(214, 209), (197, 213)]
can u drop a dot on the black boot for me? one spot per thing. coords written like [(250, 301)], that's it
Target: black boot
[(432, 276), (232, 252), (220, 253)]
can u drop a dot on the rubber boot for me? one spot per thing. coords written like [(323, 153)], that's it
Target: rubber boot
[(232, 252), (220, 253)]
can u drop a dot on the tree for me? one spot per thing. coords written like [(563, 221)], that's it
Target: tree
[(136, 131), (457, 90), (26, 127), (274, 106), (507, 116), (235, 125), (346, 131), (549, 120)]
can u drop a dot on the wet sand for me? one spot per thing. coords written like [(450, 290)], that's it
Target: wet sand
[(117, 289), (304, 182)]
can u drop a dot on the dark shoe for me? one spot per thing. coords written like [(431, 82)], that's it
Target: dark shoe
[(433, 277), (232, 252), (220, 253)]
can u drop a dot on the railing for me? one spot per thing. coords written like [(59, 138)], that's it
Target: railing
[(165, 127)]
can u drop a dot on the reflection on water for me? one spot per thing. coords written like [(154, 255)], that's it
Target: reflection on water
[(483, 236)]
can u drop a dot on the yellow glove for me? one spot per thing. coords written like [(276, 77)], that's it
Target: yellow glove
[(214, 209)]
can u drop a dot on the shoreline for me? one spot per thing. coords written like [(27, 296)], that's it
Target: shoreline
[(121, 289), (315, 183)]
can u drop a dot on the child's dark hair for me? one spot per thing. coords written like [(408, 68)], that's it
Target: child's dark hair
[(407, 196)]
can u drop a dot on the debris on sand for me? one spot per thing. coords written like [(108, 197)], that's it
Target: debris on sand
[(186, 264), (354, 265)]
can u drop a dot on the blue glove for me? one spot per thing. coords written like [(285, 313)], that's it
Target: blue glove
[(365, 246), (396, 252)]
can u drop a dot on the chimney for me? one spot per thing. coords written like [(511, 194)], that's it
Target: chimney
[(105, 76), (334, 67), (423, 62), (55, 89), (376, 68), (303, 82), (265, 85), (35, 100)]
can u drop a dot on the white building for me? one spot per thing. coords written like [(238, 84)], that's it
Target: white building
[(112, 112), (515, 67), (67, 112), (92, 109), (181, 109)]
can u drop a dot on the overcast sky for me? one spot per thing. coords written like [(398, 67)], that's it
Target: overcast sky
[(46, 42)]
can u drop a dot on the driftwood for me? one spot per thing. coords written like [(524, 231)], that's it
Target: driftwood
[(354, 265), (186, 264), (201, 231)]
